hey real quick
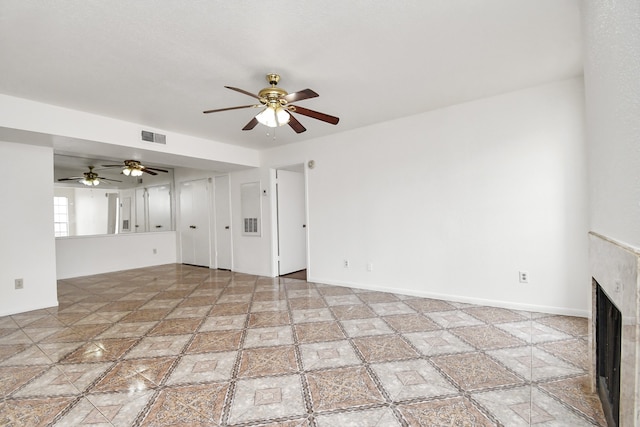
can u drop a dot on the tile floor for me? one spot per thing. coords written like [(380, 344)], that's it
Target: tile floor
[(189, 346)]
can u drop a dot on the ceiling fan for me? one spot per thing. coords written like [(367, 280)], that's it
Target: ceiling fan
[(89, 178), (277, 108), (135, 168)]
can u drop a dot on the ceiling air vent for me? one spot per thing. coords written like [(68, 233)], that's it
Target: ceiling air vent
[(158, 138)]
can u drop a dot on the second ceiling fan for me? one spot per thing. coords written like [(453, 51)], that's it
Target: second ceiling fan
[(135, 168), (277, 108)]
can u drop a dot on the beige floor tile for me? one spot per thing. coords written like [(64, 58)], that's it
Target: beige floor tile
[(367, 417), (205, 342), (411, 323), (412, 379), (267, 398), (223, 323), (325, 355), (135, 374), (273, 336), (204, 367), (475, 371), (188, 405), (318, 331), (37, 412), (342, 388), (383, 348), (260, 362), (100, 350), (453, 411), (183, 344)]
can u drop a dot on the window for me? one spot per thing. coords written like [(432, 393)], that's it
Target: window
[(61, 216)]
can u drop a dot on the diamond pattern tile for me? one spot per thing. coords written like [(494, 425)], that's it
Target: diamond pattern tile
[(183, 345)]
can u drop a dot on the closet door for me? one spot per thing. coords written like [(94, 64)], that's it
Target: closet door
[(194, 223)]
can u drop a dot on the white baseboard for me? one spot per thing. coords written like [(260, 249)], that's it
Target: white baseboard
[(26, 308), (564, 311)]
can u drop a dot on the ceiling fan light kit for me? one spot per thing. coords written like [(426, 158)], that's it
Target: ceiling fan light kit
[(89, 181), (273, 117), (277, 111)]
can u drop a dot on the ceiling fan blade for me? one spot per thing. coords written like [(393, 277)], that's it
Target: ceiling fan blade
[(155, 169), (314, 114), (150, 172), (107, 179), (251, 124), (71, 178), (243, 91), (112, 166), (230, 108), (295, 124), (299, 96)]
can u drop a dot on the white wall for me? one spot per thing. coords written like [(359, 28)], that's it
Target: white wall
[(27, 240), (99, 132), (612, 81), (87, 255), (453, 203), (252, 254), (91, 208)]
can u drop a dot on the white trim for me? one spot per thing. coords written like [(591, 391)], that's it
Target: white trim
[(457, 298), (25, 308)]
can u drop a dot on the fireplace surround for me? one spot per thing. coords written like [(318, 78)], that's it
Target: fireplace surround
[(615, 268)]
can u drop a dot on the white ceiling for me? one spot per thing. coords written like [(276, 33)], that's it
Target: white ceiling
[(161, 63)]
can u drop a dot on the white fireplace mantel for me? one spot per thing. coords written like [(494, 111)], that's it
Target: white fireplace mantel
[(615, 266)]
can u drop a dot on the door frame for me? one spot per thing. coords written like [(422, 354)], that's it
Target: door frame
[(295, 167), (214, 224)]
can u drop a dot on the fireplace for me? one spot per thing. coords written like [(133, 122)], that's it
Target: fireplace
[(615, 328), (608, 333)]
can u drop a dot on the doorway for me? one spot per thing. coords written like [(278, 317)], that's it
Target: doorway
[(291, 220), (222, 226)]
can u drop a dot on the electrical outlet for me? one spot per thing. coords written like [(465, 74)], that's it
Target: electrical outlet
[(524, 276), (369, 266), (155, 251), (346, 263), (19, 283)]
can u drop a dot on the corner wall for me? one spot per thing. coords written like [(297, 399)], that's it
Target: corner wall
[(454, 203), (27, 244), (612, 90), (612, 82)]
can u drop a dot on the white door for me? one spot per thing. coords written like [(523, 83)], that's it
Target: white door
[(159, 208), (223, 223), (292, 232), (141, 211), (194, 223)]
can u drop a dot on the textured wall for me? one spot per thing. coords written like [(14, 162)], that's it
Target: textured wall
[(612, 91), (454, 202)]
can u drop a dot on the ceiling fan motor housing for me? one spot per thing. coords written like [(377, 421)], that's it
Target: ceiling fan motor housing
[(272, 95)]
